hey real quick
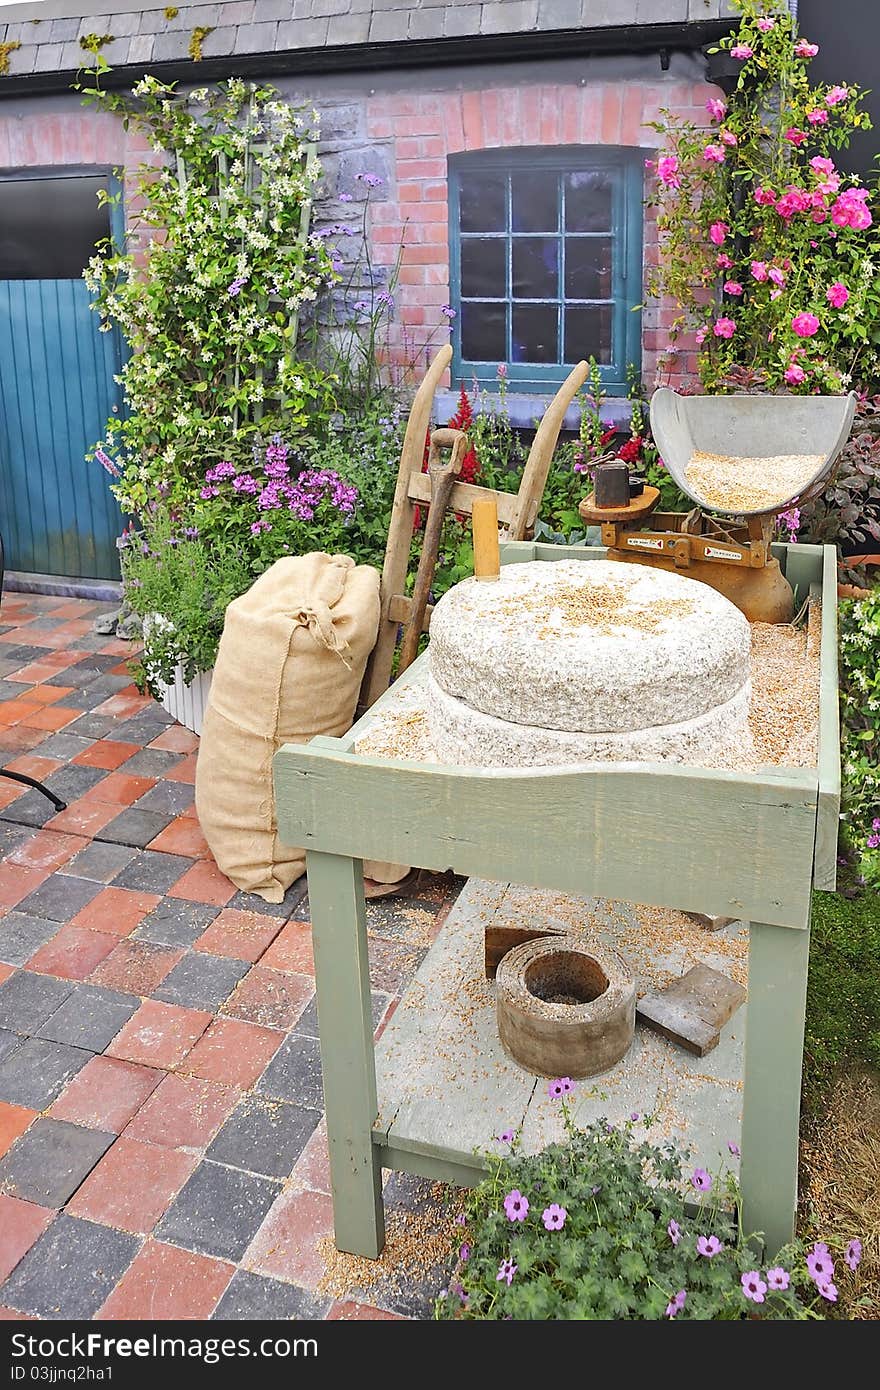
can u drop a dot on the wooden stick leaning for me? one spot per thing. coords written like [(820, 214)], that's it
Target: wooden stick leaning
[(443, 476)]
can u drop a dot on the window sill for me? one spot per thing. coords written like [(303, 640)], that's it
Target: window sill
[(525, 409)]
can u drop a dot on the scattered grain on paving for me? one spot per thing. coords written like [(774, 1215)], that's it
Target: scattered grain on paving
[(750, 484)]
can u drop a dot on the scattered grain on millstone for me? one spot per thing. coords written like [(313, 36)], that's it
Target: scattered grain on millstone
[(750, 484), (416, 1245)]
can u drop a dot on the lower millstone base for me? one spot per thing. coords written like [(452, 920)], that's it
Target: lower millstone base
[(466, 736)]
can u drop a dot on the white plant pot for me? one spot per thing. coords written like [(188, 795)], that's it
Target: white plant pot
[(187, 703)]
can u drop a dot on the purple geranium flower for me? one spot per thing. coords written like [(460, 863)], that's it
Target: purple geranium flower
[(820, 1265), (506, 1270), (464, 1252), (701, 1180), (827, 1290), (674, 1307), (778, 1278), (554, 1217), (710, 1246), (853, 1253), (673, 1230), (516, 1205), (734, 1148), (753, 1286), (506, 1137), (562, 1086)]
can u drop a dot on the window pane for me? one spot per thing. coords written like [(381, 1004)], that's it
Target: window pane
[(535, 201), (588, 332), (484, 332), (535, 268), (535, 333), (483, 203), (49, 227), (588, 267), (588, 201), (484, 268)]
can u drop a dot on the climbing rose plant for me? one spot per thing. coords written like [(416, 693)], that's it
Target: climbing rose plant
[(768, 248), (211, 285)]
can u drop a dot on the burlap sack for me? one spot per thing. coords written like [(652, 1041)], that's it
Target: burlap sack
[(289, 667)]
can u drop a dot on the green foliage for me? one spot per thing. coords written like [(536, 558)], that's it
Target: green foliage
[(860, 720), (843, 993), (628, 1243), (211, 286), (756, 232)]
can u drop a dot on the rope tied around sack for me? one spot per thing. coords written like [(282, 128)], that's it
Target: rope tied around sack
[(319, 621)]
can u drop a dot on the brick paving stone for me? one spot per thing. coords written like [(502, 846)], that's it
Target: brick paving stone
[(84, 817), (307, 1023), (292, 950), (106, 1094), (151, 872), (176, 739), (233, 1052), (21, 936), (143, 728), (14, 1120), (313, 1167), (204, 883), (21, 1223), (286, 1246), (34, 1074), (105, 754), (118, 789), (294, 1074), (264, 1136), (185, 771), (360, 1312), (182, 836), (73, 782), (163, 1282), (240, 935), (159, 1035), (65, 746), (184, 1112), (89, 1017), (136, 967), (116, 910), (100, 863), (70, 1270), (175, 922), (28, 807), (48, 1163), (219, 1211), (150, 762), (17, 883), (201, 981), (254, 1298), (59, 897), (73, 953), (48, 849), (11, 837), (252, 902), (108, 1194), (27, 1000), (133, 827), (9, 1041), (169, 798), (270, 998), (90, 727)]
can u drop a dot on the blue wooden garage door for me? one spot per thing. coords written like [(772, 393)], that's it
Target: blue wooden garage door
[(57, 390)]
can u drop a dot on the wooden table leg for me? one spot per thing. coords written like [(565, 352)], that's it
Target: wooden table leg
[(778, 961), (342, 980)]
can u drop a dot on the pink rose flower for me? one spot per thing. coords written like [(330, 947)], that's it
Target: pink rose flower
[(818, 117), (667, 171), (764, 197), (837, 294), (835, 95), (714, 154), (776, 275), (822, 165), (818, 215), (795, 137), (700, 336), (717, 109), (793, 200), (775, 293), (804, 49), (759, 270), (732, 287), (742, 52), (727, 137), (717, 232), (723, 261), (805, 325), (849, 210), (794, 374), (724, 328), (765, 24)]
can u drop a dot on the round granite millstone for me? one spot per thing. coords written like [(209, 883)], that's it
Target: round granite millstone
[(596, 647)]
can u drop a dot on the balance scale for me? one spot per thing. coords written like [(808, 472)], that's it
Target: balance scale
[(728, 550)]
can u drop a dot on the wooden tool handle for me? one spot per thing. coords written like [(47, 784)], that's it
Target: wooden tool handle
[(487, 563), (443, 476)]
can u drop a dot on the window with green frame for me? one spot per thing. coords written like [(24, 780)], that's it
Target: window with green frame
[(545, 263)]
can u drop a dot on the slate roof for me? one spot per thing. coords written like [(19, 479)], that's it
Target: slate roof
[(49, 34)]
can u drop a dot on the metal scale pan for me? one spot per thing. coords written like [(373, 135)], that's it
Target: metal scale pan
[(740, 426)]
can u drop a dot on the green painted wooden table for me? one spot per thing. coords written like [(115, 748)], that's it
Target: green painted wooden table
[(747, 846)]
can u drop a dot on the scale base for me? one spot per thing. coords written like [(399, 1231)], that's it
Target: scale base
[(764, 595)]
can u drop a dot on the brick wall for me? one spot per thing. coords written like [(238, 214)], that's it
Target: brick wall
[(417, 130)]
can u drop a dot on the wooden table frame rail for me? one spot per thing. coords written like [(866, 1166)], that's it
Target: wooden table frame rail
[(743, 845)]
